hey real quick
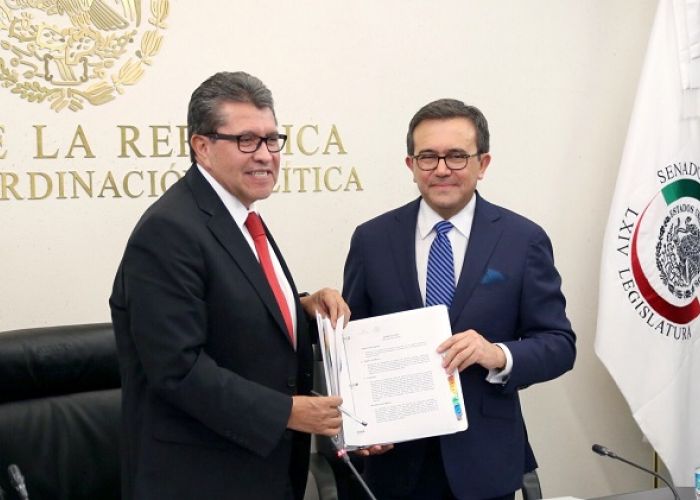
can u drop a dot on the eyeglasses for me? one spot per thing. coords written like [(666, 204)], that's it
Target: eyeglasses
[(455, 160), (250, 143)]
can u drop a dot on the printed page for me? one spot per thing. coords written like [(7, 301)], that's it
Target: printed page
[(391, 378)]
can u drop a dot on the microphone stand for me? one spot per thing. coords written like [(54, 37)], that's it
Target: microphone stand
[(605, 452), (343, 455)]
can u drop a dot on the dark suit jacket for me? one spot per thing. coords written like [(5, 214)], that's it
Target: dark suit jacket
[(509, 291), (207, 366)]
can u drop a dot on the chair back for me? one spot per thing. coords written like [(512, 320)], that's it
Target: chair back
[(60, 412)]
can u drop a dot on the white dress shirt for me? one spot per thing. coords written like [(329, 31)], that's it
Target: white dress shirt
[(459, 238), (240, 213)]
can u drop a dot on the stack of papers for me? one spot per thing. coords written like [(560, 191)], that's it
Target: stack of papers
[(390, 376)]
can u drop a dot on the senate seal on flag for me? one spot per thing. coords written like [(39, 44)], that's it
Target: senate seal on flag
[(660, 260)]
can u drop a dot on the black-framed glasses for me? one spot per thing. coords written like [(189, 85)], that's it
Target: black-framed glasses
[(250, 143), (454, 160)]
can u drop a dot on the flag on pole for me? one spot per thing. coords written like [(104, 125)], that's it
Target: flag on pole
[(648, 333)]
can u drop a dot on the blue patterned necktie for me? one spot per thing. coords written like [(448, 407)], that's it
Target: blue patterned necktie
[(440, 283)]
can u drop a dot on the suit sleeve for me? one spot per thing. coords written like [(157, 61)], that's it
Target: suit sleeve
[(546, 347), (354, 281), (165, 290)]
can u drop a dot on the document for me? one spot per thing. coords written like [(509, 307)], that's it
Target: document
[(390, 376)]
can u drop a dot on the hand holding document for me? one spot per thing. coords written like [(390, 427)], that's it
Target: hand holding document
[(390, 377)]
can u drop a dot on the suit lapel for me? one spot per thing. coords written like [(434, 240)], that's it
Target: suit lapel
[(485, 233), (225, 230), (402, 238)]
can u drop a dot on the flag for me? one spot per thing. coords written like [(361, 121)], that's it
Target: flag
[(648, 331)]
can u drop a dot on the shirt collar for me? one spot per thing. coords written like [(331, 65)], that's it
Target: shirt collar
[(237, 209), (462, 220)]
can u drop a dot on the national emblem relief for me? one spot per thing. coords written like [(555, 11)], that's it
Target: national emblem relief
[(69, 52)]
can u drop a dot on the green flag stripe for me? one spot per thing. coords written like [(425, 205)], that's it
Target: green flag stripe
[(681, 188)]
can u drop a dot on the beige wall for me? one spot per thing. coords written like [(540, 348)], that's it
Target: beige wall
[(555, 78)]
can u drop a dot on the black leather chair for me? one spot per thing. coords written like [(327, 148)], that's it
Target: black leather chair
[(531, 489), (60, 407), (59, 412)]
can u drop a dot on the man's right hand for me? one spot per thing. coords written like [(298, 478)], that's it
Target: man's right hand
[(316, 415), (375, 449)]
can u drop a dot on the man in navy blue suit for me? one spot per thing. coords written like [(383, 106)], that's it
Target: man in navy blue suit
[(495, 271)]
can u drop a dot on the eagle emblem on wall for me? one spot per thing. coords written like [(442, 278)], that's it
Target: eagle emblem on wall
[(70, 53)]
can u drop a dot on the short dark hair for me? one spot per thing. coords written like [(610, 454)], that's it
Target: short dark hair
[(203, 111), (443, 109)]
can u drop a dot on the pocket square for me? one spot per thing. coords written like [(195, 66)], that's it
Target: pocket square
[(492, 276)]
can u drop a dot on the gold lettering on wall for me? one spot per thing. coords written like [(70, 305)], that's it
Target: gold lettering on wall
[(300, 141), (297, 179), (306, 140), (184, 144), (132, 145), (353, 179), (111, 185), (127, 186), (61, 177), (327, 179), (3, 151), (129, 135), (159, 139), (135, 142), (86, 185), (40, 155), (37, 186), (73, 184), (80, 141), (334, 140), (8, 183)]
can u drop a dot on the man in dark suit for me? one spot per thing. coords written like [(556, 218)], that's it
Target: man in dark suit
[(494, 270), (213, 340)]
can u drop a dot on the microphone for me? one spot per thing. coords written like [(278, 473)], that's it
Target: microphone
[(343, 455), (17, 481), (605, 452)]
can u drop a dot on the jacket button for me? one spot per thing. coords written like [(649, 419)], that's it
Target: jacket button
[(292, 382)]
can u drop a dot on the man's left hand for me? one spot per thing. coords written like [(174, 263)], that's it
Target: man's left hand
[(469, 347), (328, 302), (376, 449)]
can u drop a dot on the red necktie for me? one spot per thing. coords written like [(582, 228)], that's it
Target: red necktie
[(257, 231)]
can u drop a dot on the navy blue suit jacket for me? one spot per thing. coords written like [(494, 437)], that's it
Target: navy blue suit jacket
[(509, 291)]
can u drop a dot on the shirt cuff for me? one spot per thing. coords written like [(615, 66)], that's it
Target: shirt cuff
[(501, 376)]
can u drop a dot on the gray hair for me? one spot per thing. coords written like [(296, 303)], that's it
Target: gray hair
[(203, 111), (443, 109)]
